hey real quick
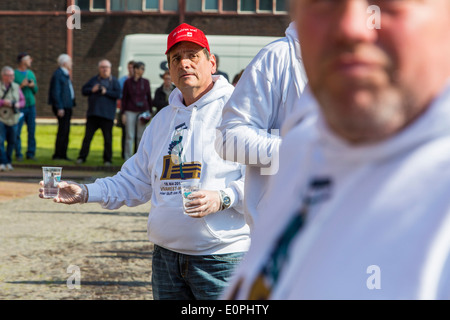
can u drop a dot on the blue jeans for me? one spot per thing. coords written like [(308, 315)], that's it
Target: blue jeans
[(29, 117), (7, 134), (177, 276)]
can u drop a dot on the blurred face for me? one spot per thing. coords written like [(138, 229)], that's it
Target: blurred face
[(130, 69), (104, 69), (68, 64), (8, 77), (139, 72), (167, 80), (372, 82), (26, 61), (191, 70)]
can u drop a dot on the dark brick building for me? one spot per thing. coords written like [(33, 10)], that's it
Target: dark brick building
[(39, 28)]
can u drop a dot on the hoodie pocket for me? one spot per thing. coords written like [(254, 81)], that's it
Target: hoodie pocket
[(228, 225), (171, 229)]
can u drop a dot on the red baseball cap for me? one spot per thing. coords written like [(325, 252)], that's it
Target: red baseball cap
[(185, 32)]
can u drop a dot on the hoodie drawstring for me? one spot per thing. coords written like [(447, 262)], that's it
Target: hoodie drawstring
[(188, 138)]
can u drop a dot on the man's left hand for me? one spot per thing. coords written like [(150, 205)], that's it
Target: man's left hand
[(203, 202)]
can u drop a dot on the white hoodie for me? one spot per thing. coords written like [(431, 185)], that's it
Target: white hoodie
[(264, 98), (186, 133), (378, 223)]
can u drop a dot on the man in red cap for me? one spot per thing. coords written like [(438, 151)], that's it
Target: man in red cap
[(198, 244), (189, 42)]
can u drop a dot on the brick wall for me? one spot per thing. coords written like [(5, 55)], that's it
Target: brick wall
[(44, 38), (100, 36), (34, 5)]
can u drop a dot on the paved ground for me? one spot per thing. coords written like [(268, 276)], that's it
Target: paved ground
[(40, 240)]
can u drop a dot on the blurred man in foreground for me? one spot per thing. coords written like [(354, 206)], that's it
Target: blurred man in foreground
[(362, 195)]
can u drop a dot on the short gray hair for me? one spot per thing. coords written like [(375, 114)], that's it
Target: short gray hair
[(7, 68), (109, 62), (63, 58)]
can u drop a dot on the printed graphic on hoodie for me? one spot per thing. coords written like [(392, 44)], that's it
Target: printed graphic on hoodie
[(319, 191), (175, 166)]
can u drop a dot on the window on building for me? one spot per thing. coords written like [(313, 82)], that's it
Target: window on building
[(122, 5), (281, 5), (229, 5), (99, 4), (193, 5), (83, 4), (211, 5), (171, 5), (152, 4), (117, 5), (248, 5), (226, 6), (265, 5), (134, 5)]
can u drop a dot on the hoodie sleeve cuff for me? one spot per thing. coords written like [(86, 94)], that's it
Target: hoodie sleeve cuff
[(95, 192)]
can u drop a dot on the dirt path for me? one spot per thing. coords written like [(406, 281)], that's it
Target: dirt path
[(41, 239), (17, 190)]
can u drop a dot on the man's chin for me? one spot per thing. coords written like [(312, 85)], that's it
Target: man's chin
[(348, 99), (363, 115)]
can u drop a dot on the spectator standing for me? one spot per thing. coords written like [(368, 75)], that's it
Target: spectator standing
[(195, 255), (218, 72), (61, 97), (237, 77), (103, 91), (119, 118), (162, 94), (11, 99), (362, 197), (136, 100), (124, 78), (26, 79)]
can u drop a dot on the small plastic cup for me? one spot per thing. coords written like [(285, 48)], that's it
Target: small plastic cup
[(52, 176), (187, 187)]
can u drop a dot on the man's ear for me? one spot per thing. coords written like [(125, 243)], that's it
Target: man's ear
[(212, 60)]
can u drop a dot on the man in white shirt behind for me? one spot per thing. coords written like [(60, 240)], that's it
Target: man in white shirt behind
[(264, 98)]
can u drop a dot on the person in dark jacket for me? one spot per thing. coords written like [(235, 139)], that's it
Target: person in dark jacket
[(219, 72), (103, 91), (136, 102), (61, 97), (162, 94)]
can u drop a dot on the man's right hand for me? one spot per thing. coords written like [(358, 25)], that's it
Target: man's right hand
[(61, 113), (7, 103), (95, 88), (24, 83), (69, 192)]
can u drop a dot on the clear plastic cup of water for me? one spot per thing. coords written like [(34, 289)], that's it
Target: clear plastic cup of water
[(51, 176), (188, 187)]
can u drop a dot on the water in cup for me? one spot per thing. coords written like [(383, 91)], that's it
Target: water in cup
[(187, 187), (52, 176)]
